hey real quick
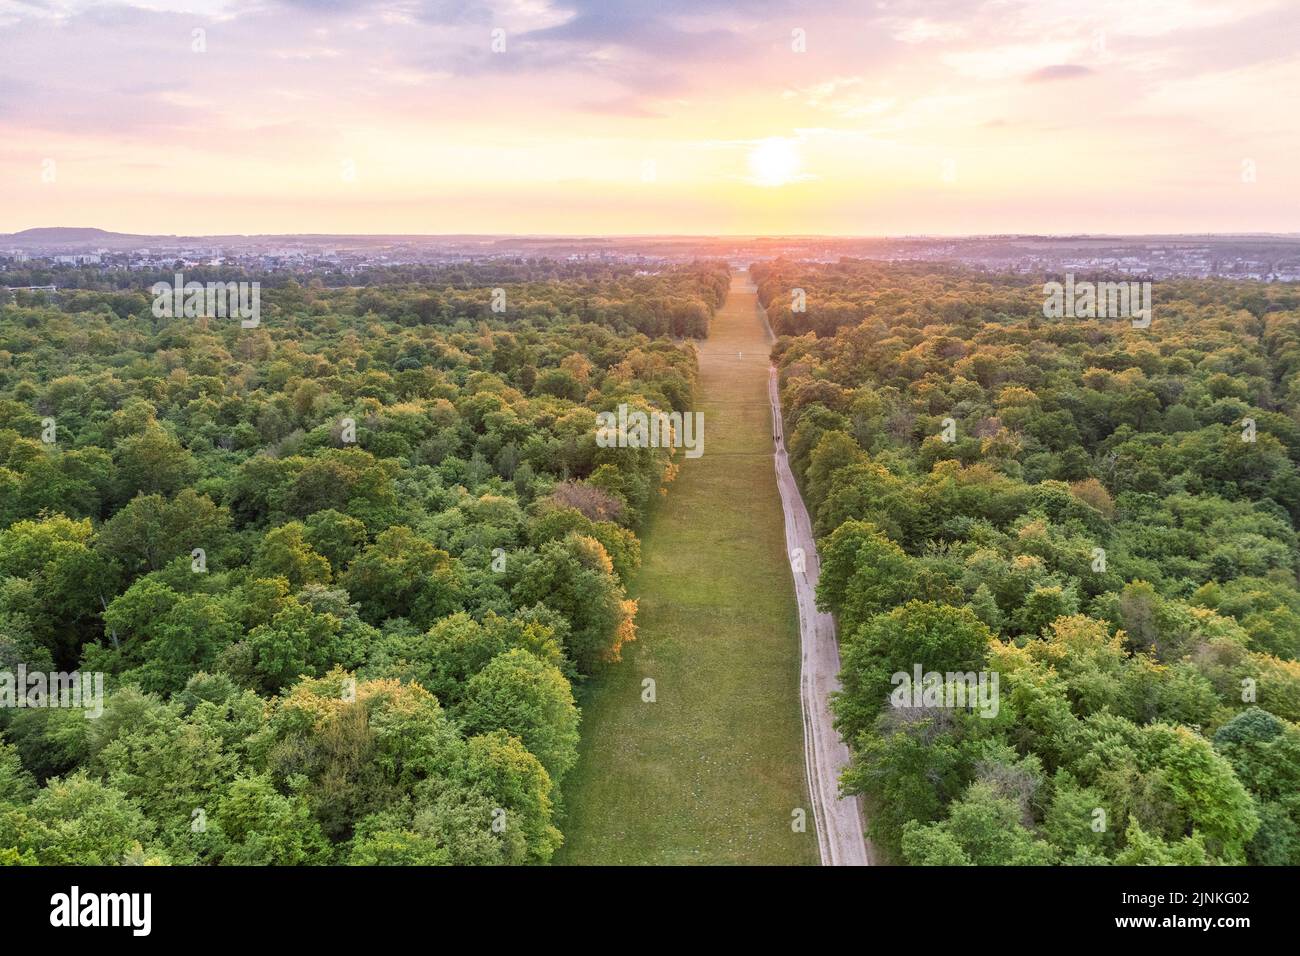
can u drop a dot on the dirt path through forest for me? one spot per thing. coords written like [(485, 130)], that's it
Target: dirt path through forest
[(840, 837)]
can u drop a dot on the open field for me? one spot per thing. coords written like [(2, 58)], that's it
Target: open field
[(711, 771)]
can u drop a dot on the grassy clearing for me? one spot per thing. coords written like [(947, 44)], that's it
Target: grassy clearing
[(710, 772)]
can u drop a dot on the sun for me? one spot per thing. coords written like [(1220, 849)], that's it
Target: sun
[(774, 162)]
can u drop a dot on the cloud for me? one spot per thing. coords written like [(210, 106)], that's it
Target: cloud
[(1060, 71), (621, 106), (672, 30)]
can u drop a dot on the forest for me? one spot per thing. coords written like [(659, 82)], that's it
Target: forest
[(341, 571), (1104, 516)]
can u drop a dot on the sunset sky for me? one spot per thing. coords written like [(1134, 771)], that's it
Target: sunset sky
[(662, 116)]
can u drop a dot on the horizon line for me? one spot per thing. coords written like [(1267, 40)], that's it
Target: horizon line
[(657, 235)]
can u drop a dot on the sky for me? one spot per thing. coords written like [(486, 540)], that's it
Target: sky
[(583, 117)]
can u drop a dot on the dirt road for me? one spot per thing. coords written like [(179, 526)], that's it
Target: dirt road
[(840, 836)]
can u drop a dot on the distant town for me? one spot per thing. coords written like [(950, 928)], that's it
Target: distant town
[(49, 253)]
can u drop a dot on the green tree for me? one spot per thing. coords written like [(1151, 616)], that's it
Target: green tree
[(285, 553), (266, 828), (150, 462), (575, 578), (149, 531), (76, 821), (938, 637), (402, 575), (986, 827), (530, 699)]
